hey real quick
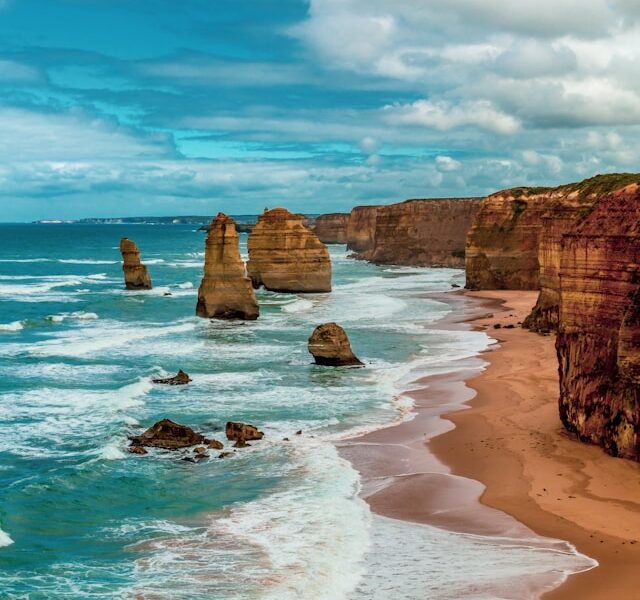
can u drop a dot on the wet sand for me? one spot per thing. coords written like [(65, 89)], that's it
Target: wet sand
[(512, 442)]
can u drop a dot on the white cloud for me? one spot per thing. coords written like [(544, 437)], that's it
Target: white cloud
[(447, 164), (369, 144), (444, 116), (72, 136)]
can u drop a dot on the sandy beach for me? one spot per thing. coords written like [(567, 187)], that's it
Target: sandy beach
[(507, 450)]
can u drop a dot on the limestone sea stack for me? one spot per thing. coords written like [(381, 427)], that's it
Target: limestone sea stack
[(598, 342), (332, 228), (286, 256), (225, 291), (423, 232), (136, 275), (329, 345)]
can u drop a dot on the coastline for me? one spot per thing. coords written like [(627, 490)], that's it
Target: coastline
[(474, 458)]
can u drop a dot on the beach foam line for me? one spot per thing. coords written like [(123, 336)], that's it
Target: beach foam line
[(5, 540), (86, 261)]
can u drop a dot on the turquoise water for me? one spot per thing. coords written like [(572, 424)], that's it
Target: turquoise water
[(81, 518)]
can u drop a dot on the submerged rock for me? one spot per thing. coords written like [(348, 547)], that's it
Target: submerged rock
[(242, 432), (286, 256), (137, 450), (329, 345), (168, 435), (181, 378), (225, 291), (136, 275)]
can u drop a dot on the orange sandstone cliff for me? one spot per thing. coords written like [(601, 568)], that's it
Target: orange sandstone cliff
[(502, 244), (361, 228), (598, 341), (426, 232), (286, 256), (225, 292), (332, 228), (572, 204), (136, 275)]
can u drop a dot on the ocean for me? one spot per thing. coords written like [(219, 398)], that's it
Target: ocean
[(80, 517)]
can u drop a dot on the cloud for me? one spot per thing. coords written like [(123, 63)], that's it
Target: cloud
[(444, 116), (74, 135), (447, 164)]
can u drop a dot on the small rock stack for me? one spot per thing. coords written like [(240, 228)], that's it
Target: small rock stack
[(136, 275)]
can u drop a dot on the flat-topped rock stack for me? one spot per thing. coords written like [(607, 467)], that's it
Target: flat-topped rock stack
[(136, 275), (225, 291), (286, 256)]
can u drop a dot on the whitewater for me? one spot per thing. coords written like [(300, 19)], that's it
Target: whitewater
[(80, 517)]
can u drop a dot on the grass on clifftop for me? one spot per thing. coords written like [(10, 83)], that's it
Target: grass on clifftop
[(600, 184)]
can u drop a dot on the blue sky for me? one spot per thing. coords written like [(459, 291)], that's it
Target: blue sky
[(151, 107)]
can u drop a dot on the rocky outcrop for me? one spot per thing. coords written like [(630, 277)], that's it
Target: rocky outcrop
[(241, 433), (361, 228), (168, 435), (136, 275), (286, 256), (181, 378), (598, 341), (225, 291), (329, 345), (332, 228), (426, 233)]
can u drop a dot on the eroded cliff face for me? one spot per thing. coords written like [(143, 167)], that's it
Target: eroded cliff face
[(225, 291), (286, 256), (136, 275), (567, 206), (332, 228), (428, 233), (598, 341), (502, 244), (361, 228)]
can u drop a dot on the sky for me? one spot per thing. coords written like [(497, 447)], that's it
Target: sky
[(167, 107)]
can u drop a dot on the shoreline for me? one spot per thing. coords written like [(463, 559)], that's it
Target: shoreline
[(448, 467)]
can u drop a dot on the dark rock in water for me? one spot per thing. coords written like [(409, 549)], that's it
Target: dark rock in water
[(509, 326), (169, 435), (225, 454), (241, 443), (497, 326), (137, 450), (181, 378), (200, 453), (299, 432), (330, 347), (455, 285), (242, 431), (167, 294), (215, 445)]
